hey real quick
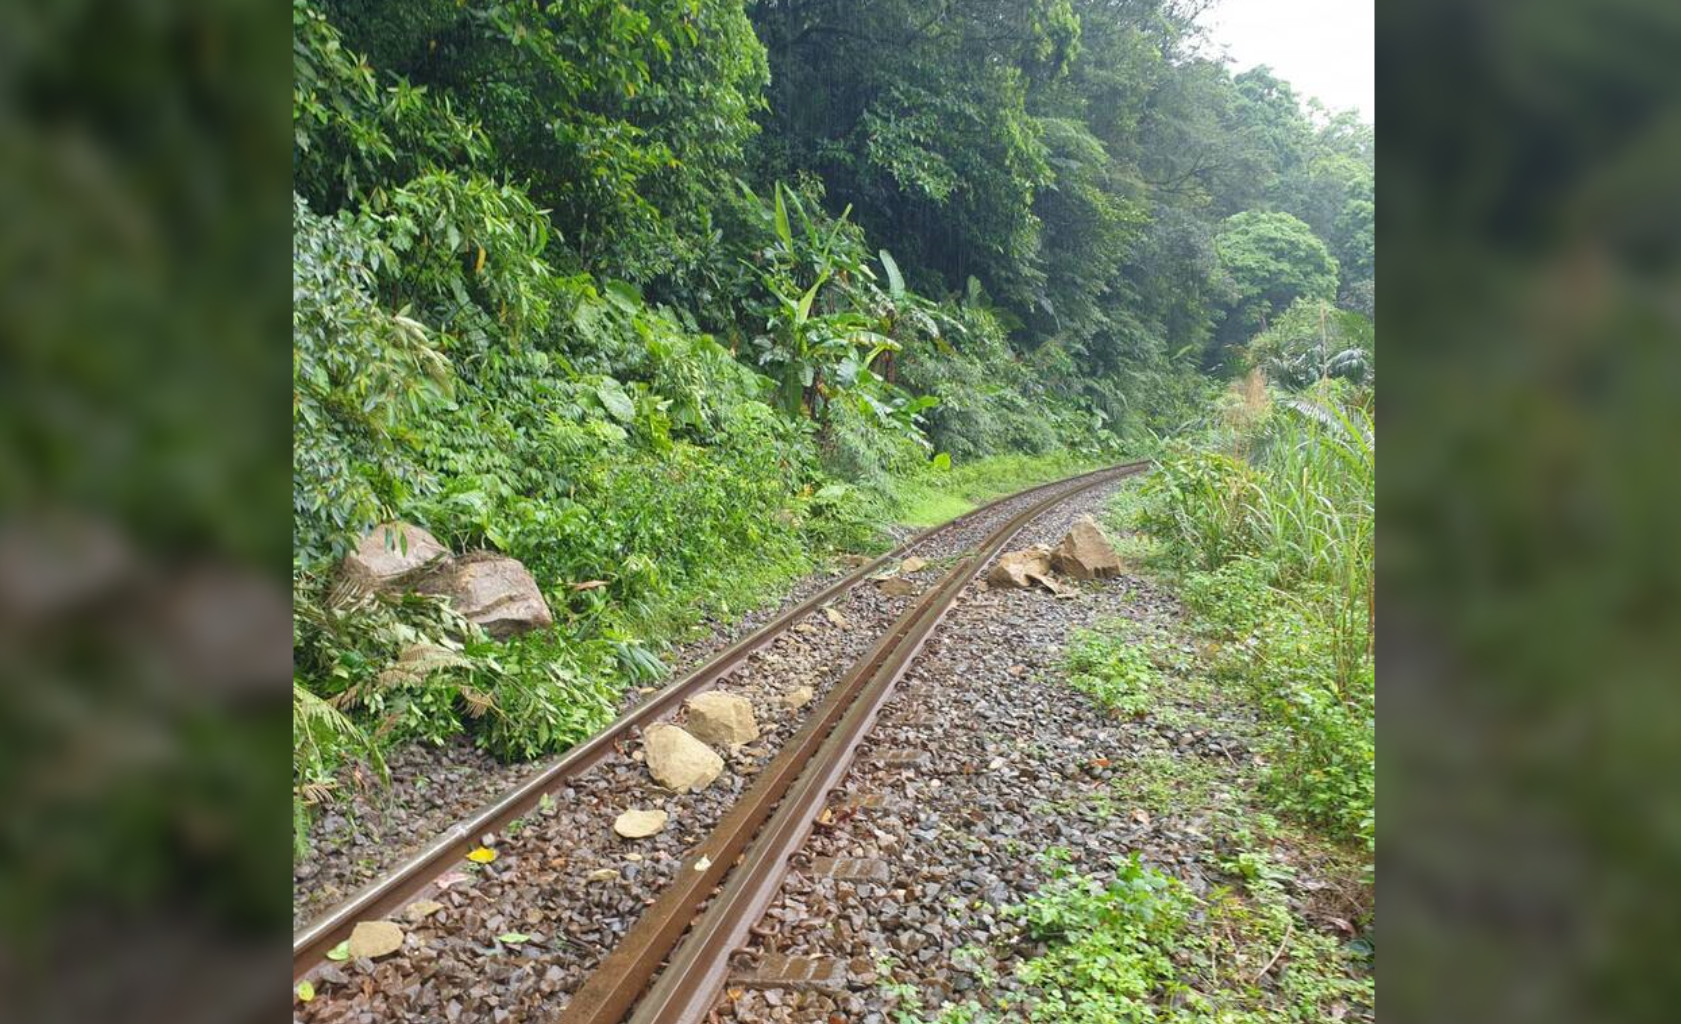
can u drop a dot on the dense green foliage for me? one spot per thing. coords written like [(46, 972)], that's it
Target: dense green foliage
[(1275, 527), (661, 297)]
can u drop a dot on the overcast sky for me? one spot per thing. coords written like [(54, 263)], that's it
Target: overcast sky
[(1322, 48)]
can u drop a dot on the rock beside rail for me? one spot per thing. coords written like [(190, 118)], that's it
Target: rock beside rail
[(1085, 553), (493, 590), (639, 824), (678, 761), (391, 555), (722, 719), (896, 587), (375, 939), (1025, 568)]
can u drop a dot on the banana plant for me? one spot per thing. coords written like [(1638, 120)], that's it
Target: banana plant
[(907, 317), (809, 342), (803, 351)]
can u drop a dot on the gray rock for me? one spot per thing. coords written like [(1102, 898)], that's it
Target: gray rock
[(492, 590), (391, 555)]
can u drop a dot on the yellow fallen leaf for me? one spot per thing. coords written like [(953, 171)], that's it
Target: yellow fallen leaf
[(306, 991), (482, 855)]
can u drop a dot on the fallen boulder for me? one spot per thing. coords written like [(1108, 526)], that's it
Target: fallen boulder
[(1085, 553), (492, 590), (391, 555), (798, 697), (678, 761), (1025, 568), (722, 719)]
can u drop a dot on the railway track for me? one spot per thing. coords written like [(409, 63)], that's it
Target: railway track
[(747, 850)]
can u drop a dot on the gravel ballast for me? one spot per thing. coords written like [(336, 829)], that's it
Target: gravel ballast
[(564, 882)]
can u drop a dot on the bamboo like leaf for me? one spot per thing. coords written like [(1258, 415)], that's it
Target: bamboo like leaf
[(895, 280), (782, 230), (807, 299)]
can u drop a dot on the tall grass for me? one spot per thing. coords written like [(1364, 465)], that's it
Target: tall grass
[(1312, 511), (1297, 490), (1274, 521)]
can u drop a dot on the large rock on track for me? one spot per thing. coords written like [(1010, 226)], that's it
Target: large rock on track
[(1025, 568), (1085, 553), (722, 719), (391, 555), (493, 590), (678, 761)]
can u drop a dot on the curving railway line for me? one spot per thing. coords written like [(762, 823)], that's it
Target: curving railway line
[(671, 963)]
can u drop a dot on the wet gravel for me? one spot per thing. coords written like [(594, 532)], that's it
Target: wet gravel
[(982, 762), (432, 787), (560, 853)]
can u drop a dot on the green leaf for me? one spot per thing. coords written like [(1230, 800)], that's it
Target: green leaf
[(340, 951), (624, 295), (306, 991), (617, 403), (513, 938), (942, 461), (782, 230), (895, 281), (807, 299)]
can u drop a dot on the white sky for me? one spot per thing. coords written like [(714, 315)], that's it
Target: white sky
[(1322, 48)]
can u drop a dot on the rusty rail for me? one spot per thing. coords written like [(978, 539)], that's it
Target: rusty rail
[(411, 877), (767, 825)]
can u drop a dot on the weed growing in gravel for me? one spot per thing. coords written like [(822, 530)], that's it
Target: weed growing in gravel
[(1119, 674), (1123, 949), (1111, 943), (1162, 783), (1275, 537)]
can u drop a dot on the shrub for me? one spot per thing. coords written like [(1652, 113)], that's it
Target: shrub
[(1117, 673), (1283, 651), (1281, 549), (1111, 943)]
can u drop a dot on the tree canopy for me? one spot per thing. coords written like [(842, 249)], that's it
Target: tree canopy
[(657, 296)]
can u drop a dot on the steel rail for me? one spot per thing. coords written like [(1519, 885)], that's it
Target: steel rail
[(412, 876), (748, 851)]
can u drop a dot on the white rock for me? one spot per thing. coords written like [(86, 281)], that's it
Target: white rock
[(1022, 568), (722, 719), (638, 824), (391, 554), (374, 939), (1085, 553), (493, 590), (896, 587), (678, 761)]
